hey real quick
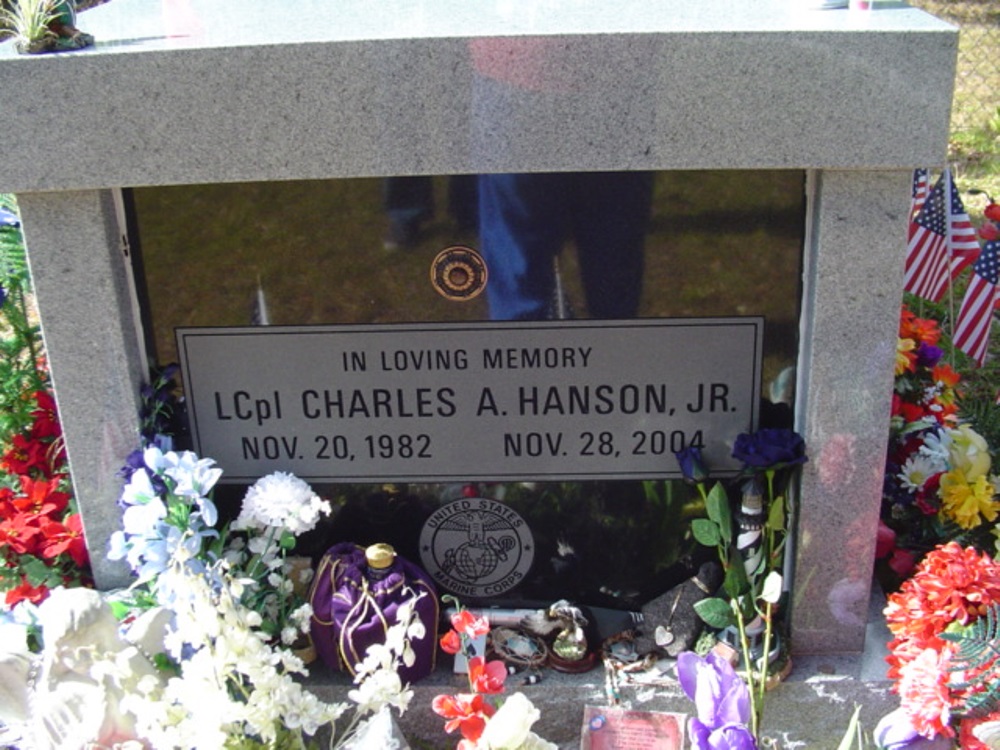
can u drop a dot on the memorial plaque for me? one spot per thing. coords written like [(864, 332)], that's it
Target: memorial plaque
[(606, 728), (478, 401)]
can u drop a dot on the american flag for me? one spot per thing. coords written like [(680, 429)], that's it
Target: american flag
[(927, 250), (962, 239), (972, 326), (942, 242), (918, 196)]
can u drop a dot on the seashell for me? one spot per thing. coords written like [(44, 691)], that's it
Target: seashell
[(988, 733)]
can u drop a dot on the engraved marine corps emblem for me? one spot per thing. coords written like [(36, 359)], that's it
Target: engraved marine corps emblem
[(476, 547)]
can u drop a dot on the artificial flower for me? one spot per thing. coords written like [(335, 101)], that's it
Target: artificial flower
[(918, 469), (451, 642), (906, 357), (464, 622), (692, 465), (510, 727), (487, 677), (721, 697), (967, 503), (770, 449), (465, 711), (66, 537), (968, 451), (281, 500), (923, 691)]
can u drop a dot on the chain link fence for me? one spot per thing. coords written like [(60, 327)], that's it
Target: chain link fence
[(977, 82)]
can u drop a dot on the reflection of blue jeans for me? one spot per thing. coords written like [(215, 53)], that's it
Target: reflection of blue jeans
[(526, 218)]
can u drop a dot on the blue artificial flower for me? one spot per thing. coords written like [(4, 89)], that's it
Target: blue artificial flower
[(692, 466), (770, 449)]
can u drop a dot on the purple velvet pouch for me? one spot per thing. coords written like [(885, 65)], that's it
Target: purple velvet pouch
[(351, 611)]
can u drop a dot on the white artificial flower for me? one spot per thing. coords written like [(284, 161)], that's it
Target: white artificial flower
[(381, 688), (510, 726), (281, 500), (918, 469)]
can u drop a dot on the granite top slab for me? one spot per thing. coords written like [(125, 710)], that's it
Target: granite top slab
[(193, 91)]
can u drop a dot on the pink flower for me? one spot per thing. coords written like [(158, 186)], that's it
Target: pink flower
[(465, 711), (470, 625), (451, 642), (923, 692), (486, 677)]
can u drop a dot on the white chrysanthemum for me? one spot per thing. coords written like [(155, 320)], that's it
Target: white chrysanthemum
[(918, 469), (281, 500)]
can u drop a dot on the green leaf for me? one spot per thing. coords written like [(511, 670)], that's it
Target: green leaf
[(36, 571), (715, 612), (776, 514), (853, 732), (287, 540), (736, 583), (706, 532), (717, 507)]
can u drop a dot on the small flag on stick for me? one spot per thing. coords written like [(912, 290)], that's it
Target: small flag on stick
[(918, 196), (972, 326), (942, 242), (258, 314)]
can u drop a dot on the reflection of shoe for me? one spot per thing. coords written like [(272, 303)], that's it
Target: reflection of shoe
[(401, 235)]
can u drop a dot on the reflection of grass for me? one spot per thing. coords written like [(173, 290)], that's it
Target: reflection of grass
[(721, 243)]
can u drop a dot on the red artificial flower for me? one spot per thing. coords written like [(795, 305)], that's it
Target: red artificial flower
[(66, 537), (910, 412), (885, 540), (951, 584), (989, 231), (902, 562), (465, 711), (921, 330), (451, 642), (992, 212), (470, 625), (486, 677), (26, 592), (46, 424), (21, 533), (41, 497), (26, 455)]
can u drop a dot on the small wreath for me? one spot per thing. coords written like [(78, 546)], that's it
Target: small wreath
[(519, 649)]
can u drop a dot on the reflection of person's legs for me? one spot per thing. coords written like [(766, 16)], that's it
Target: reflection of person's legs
[(522, 225), (609, 222), (408, 201)]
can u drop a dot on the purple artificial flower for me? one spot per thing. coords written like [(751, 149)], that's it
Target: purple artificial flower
[(928, 355), (722, 702), (770, 449), (692, 466), (895, 732)]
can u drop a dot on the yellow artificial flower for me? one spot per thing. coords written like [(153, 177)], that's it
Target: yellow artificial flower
[(904, 359), (967, 503), (968, 452)]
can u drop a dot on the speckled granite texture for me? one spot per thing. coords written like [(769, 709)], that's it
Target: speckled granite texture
[(206, 91)]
